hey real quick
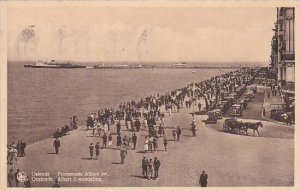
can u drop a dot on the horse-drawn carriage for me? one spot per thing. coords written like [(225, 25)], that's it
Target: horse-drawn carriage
[(234, 126)]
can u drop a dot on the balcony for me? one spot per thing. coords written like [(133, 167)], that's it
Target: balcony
[(288, 56), (280, 33), (280, 18)]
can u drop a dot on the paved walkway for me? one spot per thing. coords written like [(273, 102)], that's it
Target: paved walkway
[(229, 159)]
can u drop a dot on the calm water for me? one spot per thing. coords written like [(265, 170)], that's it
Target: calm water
[(42, 100)]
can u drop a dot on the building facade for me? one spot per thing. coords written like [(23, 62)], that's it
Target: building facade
[(282, 64), (283, 49)]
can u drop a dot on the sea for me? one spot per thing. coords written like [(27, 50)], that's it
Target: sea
[(42, 100)]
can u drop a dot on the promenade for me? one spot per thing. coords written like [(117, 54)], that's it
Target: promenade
[(229, 159)]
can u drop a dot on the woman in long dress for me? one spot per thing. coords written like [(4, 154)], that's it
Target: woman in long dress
[(146, 144)]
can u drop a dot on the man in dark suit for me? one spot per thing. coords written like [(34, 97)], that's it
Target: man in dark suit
[(118, 127), (203, 179), (178, 133), (144, 166), (56, 145), (104, 139), (156, 165), (134, 140)]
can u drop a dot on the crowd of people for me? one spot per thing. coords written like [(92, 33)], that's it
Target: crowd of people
[(148, 114), (15, 151)]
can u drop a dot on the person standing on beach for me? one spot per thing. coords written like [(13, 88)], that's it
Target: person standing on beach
[(56, 145), (10, 177), (97, 149), (91, 147)]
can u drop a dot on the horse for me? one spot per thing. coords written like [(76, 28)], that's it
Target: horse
[(253, 126)]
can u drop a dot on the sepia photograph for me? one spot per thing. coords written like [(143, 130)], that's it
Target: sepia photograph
[(150, 96)]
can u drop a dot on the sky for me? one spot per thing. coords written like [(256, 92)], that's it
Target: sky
[(140, 34)]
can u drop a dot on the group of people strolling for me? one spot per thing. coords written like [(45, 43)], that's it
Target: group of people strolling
[(150, 168), (15, 151)]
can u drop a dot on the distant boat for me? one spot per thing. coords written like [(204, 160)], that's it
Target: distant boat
[(135, 66), (52, 64), (117, 66), (179, 65)]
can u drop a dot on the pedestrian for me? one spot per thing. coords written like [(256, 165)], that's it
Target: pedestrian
[(144, 167), (16, 178), (97, 149), (174, 134), (91, 147), (264, 112), (123, 153), (56, 185), (14, 154), (10, 155), (203, 179), (56, 145), (27, 183), (194, 128), (119, 141), (150, 144), (165, 143), (23, 146), (118, 127), (99, 129), (178, 133), (110, 140), (134, 140), (199, 106), (94, 128), (154, 143), (146, 148), (150, 169), (156, 165), (10, 177), (104, 139)]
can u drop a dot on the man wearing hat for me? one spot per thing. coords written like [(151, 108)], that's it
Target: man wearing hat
[(203, 179), (156, 165), (56, 145), (144, 166)]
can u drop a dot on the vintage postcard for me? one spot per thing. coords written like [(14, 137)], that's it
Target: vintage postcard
[(121, 94)]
